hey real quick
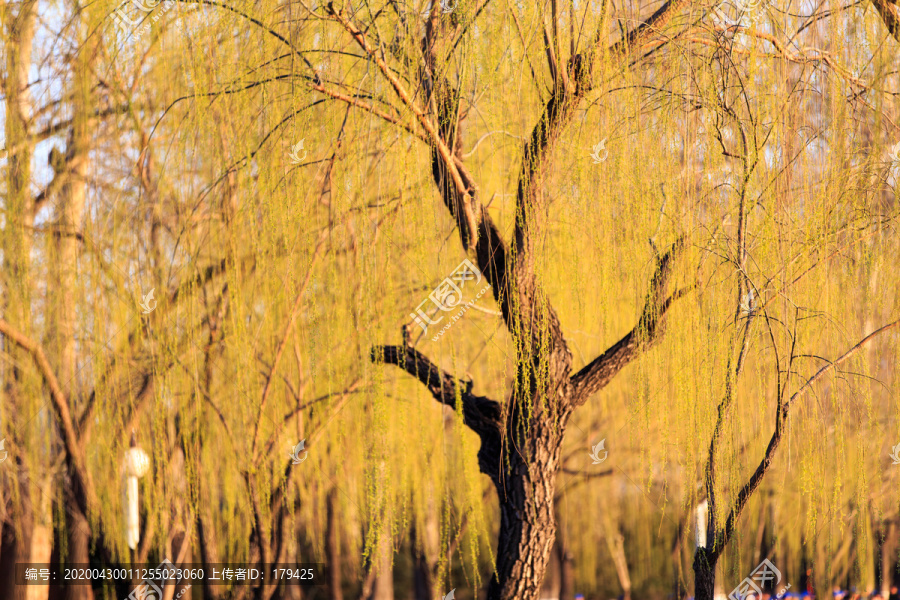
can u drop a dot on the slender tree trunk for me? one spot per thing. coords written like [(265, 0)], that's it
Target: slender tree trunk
[(423, 585), (209, 551), (78, 534), (380, 579), (18, 217), (678, 588), (616, 543), (70, 211), (888, 558), (566, 566), (332, 548), (383, 588), (41, 538)]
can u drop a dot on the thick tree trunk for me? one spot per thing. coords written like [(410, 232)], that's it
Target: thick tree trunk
[(527, 523), (704, 575)]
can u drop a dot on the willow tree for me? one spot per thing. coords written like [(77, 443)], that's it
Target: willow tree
[(520, 438), (262, 263)]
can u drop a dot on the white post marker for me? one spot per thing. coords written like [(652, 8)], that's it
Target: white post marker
[(702, 517), (136, 465)]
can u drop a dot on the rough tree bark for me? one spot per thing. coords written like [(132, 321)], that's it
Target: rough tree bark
[(519, 452), (520, 439)]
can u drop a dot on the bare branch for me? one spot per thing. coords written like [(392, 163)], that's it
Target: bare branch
[(408, 100), (781, 417)]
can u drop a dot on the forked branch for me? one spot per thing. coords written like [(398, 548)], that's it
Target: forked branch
[(596, 374), (721, 537)]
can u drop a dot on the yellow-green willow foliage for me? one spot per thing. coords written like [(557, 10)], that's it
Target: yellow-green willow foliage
[(274, 279)]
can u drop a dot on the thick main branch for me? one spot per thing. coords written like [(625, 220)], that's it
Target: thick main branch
[(481, 414), (596, 374)]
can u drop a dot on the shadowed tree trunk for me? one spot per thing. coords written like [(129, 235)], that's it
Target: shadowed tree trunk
[(679, 589), (15, 548), (423, 582), (332, 548), (566, 566), (888, 557)]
